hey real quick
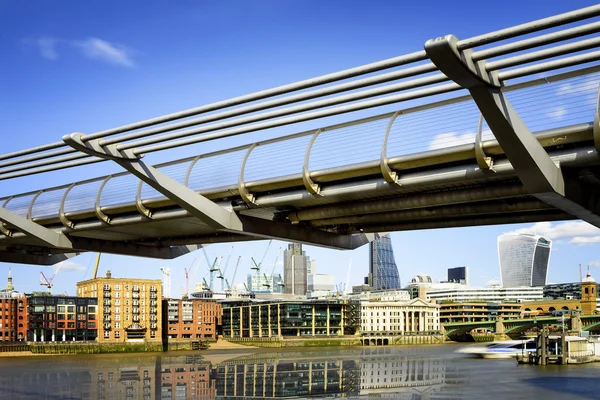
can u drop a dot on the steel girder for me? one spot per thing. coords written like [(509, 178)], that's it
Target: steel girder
[(539, 174), (213, 215)]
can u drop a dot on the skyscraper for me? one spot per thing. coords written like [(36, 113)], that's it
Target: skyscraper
[(458, 275), (383, 272), (523, 259), (295, 269)]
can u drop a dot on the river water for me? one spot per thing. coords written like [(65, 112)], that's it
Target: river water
[(407, 372)]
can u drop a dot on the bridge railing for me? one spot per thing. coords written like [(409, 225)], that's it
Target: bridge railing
[(439, 124), (447, 126)]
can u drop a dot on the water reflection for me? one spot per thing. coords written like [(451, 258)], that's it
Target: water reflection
[(350, 373)]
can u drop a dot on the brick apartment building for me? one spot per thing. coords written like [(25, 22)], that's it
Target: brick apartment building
[(191, 318)]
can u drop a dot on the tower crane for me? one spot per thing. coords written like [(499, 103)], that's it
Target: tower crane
[(96, 265), (167, 281), (214, 267), (256, 266), (44, 281), (234, 274), (187, 277), (221, 273)]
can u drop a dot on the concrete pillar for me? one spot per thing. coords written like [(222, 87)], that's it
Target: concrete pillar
[(328, 316), (401, 313), (278, 331), (231, 322), (269, 320), (35, 335), (249, 321), (241, 309), (342, 320), (313, 320), (53, 335), (260, 325)]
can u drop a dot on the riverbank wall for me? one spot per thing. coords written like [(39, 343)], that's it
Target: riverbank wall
[(94, 348), (339, 341)]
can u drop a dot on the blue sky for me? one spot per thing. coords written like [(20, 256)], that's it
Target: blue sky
[(83, 66)]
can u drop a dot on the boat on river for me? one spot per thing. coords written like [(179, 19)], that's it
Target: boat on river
[(505, 349)]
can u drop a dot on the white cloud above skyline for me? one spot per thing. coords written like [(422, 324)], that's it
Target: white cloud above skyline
[(580, 233), (93, 48)]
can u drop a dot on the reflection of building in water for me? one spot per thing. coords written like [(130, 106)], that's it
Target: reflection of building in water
[(116, 381), (402, 377), (17, 383), (287, 379), (185, 378)]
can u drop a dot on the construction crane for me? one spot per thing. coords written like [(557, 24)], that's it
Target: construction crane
[(166, 281), (45, 281), (276, 259), (266, 282), (234, 273), (205, 285), (221, 273), (187, 278), (214, 268), (96, 265), (256, 266)]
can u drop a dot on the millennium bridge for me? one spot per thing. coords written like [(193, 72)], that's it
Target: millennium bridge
[(494, 129)]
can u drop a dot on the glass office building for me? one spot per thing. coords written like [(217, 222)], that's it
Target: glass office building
[(383, 272), (523, 259)]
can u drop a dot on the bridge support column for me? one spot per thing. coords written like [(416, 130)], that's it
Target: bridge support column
[(576, 195), (499, 333)]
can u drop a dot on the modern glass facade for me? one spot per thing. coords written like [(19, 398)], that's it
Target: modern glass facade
[(383, 272), (523, 259)]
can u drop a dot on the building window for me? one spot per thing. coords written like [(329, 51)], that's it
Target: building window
[(117, 334), (117, 287), (106, 334), (117, 325)]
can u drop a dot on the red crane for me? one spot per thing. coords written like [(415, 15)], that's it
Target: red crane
[(187, 277), (44, 281)]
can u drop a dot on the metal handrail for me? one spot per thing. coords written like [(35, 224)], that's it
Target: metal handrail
[(58, 156)]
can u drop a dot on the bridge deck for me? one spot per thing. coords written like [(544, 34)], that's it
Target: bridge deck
[(419, 166)]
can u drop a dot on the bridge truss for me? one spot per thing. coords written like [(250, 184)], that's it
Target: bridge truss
[(499, 128)]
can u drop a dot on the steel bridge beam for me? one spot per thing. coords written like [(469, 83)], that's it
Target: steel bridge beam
[(34, 259), (206, 210), (534, 167), (49, 239)]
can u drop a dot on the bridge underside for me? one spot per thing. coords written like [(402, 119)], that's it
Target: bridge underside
[(428, 197), (496, 153)]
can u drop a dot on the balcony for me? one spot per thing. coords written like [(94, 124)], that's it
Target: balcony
[(135, 295), (153, 295), (135, 310), (136, 288), (107, 327), (106, 294), (107, 318)]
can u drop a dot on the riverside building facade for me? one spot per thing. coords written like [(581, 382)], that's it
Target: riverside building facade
[(191, 318), (393, 317), (62, 318), (247, 319), (130, 309), (523, 259)]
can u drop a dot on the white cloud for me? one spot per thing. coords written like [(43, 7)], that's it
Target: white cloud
[(98, 49), (557, 113), (594, 263), (92, 48), (68, 265), (47, 47), (449, 139), (582, 241), (579, 232)]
